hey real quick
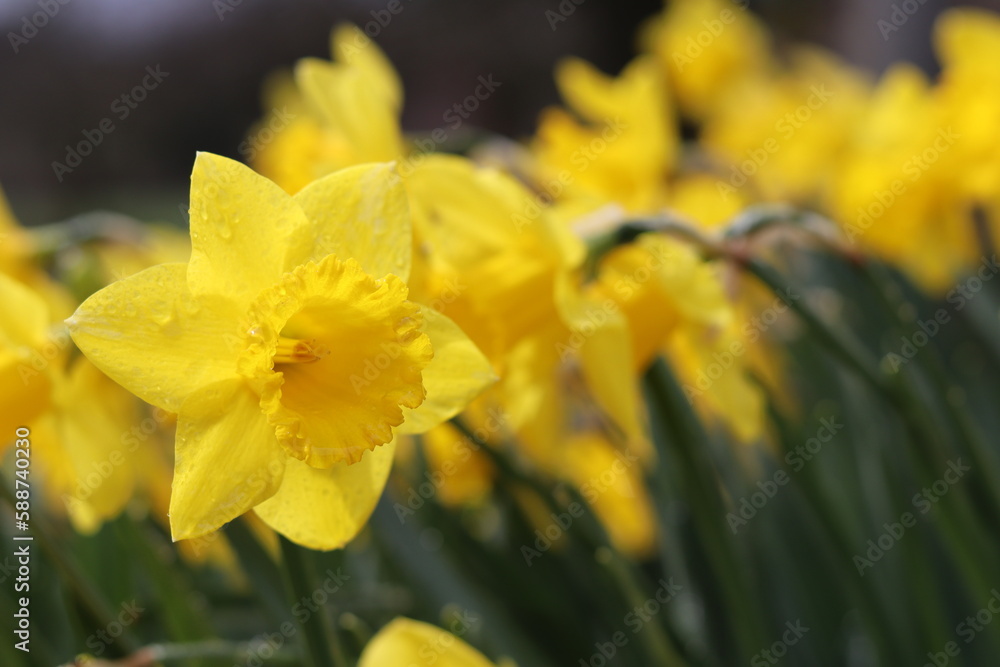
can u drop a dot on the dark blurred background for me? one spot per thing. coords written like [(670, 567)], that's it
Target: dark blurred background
[(62, 78)]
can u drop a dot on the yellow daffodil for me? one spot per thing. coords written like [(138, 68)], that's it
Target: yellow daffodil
[(649, 298), (159, 244), (466, 473), (611, 481), (337, 114), (624, 149), (29, 357), (882, 200), (18, 259), (15, 244), (75, 414), (496, 278), (511, 279), (967, 42), (697, 197), (408, 642), (288, 347), (780, 135), (675, 304), (707, 47), (923, 169)]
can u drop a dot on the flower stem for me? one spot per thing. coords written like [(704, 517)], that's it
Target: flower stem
[(630, 582), (679, 437), (970, 547), (322, 647)]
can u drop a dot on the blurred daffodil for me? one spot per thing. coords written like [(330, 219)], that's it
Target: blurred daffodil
[(408, 642), (780, 135), (288, 347), (611, 481), (707, 47), (622, 148), (333, 115), (76, 415), (675, 305)]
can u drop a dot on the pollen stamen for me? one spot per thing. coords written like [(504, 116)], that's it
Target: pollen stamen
[(292, 351)]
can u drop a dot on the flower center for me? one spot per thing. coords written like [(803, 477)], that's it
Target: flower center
[(334, 355), (291, 351)]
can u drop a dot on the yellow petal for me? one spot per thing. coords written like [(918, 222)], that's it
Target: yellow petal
[(466, 473), (503, 264), (24, 318), (606, 359), (25, 393), (27, 357), (680, 276), (241, 224), (360, 213), (408, 642), (963, 35), (600, 334), (227, 459), (350, 105), (449, 191), (588, 90), (49, 461), (535, 401), (155, 338), (93, 416), (350, 45), (325, 508), (714, 374), (611, 482), (456, 375)]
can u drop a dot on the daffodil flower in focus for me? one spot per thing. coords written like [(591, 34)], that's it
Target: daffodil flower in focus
[(288, 348)]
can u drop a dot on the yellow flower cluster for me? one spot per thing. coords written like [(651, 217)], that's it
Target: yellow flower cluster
[(349, 289), (907, 166)]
